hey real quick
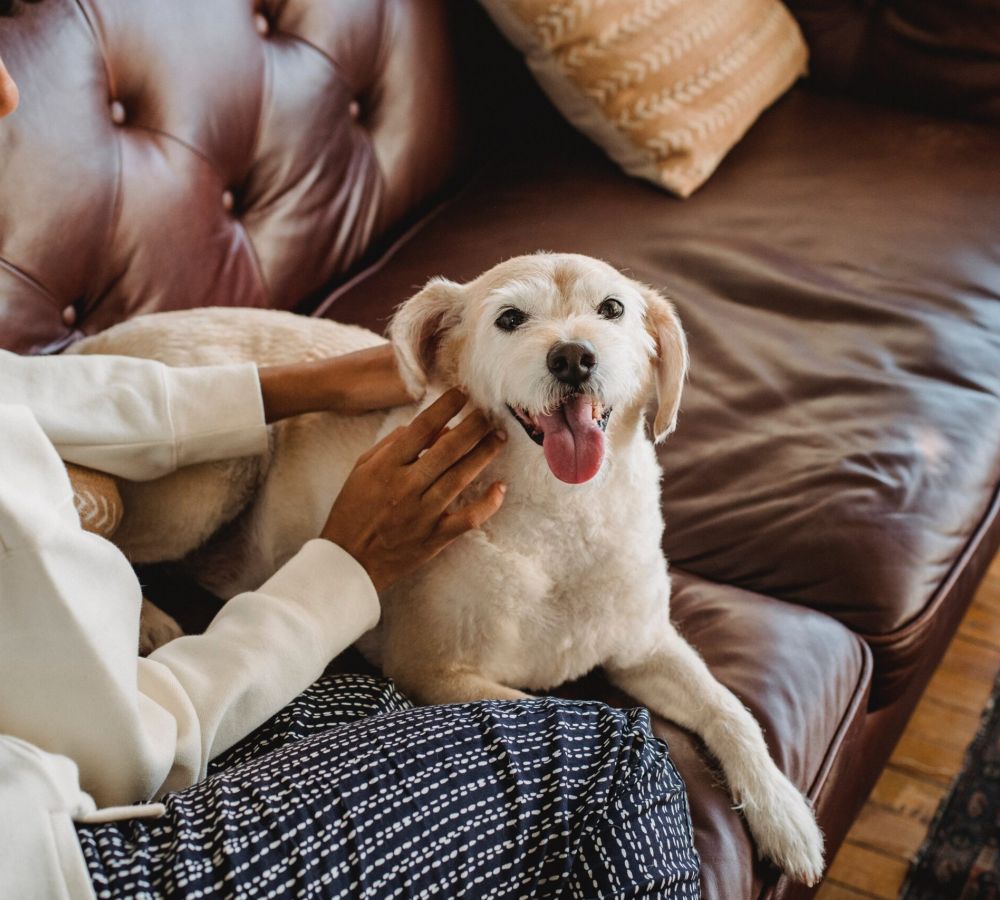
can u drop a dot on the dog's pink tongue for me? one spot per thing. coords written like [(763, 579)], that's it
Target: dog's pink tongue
[(573, 445)]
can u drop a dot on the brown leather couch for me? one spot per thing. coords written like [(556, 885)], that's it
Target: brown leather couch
[(831, 493)]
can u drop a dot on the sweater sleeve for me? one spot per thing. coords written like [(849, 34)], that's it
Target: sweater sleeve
[(138, 418), (70, 680)]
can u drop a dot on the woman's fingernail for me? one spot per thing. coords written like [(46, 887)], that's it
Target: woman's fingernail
[(501, 487), (501, 434)]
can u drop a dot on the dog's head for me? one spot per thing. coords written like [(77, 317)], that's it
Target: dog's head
[(555, 342)]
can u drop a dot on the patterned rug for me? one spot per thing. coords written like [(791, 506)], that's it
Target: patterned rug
[(961, 856)]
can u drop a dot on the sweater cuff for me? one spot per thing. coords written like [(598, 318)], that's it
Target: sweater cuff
[(217, 412), (333, 588)]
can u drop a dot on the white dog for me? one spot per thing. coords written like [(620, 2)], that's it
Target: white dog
[(564, 352)]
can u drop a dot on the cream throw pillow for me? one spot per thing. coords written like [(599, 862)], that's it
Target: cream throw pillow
[(666, 87)]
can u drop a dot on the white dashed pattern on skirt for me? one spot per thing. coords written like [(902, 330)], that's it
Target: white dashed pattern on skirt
[(350, 792)]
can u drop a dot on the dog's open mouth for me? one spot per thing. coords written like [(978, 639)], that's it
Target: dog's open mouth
[(572, 436)]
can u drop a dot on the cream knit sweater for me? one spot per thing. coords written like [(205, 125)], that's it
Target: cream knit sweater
[(86, 727)]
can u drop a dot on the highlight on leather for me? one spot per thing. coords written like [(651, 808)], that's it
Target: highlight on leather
[(665, 87)]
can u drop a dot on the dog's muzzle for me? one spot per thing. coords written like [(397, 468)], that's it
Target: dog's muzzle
[(601, 414), (572, 435)]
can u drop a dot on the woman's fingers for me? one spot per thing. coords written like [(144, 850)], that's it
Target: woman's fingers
[(459, 476), (390, 438), (449, 448), (390, 515), (421, 432), (454, 525)]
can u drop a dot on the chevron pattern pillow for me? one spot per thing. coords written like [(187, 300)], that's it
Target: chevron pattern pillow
[(97, 500), (666, 87)]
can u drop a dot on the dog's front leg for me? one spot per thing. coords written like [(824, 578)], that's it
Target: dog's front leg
[(675, 682)]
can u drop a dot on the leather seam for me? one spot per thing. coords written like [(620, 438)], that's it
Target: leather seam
[(353, 89), (117, 203), (265, 93), (29, 280), (116, 210), (864, 679), (252, 250), (369, 135), (149, 129), (383, 40), (822, 777), (99, 42)]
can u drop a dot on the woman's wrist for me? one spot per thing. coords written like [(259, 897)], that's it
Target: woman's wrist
[(351, 384)]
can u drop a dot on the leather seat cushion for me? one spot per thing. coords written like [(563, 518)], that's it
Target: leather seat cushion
[(839, 440)]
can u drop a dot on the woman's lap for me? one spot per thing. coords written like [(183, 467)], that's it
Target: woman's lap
[(349, 792), (332, 701)]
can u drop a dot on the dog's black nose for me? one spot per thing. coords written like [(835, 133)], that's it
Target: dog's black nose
[(572, 361)]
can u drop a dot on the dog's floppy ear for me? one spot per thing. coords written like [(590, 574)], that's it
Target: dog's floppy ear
[(417, 327), (671, 362)]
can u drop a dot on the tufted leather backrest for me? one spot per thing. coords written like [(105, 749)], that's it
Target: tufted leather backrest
[(179, 153)]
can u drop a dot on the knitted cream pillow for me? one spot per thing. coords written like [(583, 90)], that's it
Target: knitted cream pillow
[(666, 87), (97, 500)]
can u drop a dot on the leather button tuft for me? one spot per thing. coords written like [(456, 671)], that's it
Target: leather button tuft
[(69, 316), (117, 112), (228, 201), (354, 109), (262, 25)]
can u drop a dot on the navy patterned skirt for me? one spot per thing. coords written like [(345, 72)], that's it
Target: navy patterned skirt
[(350, 791)]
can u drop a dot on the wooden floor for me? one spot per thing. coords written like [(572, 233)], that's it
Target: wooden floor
[(874, 859)]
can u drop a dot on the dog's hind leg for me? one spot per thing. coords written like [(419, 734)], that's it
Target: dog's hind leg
[(168, 518), (675, 682), (156, 628)]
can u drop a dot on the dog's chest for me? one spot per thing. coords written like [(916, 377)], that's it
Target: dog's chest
[(559, 589), (543, 642)]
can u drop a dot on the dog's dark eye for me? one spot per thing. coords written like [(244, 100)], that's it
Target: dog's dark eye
[(611, 308), (511, 319)]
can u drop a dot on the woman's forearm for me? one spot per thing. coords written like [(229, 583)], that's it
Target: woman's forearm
[(351, 384), (137, 418)]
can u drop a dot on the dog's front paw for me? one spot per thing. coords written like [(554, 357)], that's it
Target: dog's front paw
[(785, 830), (156, 628)]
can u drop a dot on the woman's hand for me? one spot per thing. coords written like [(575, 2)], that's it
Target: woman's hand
[(351, 384), (391, 515)]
